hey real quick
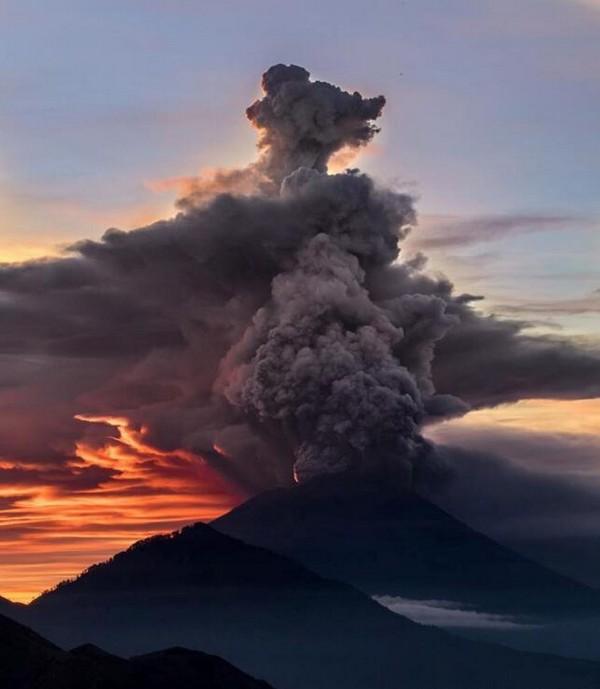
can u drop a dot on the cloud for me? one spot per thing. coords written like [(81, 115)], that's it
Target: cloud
[(528, 478), (252, 319), (489, 361), (302, 124), (176, 324), (567, 307), (456, 232), (58, 519), (449, 614)]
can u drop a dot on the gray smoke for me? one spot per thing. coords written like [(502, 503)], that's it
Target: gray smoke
[(271, 319), (302, 123)]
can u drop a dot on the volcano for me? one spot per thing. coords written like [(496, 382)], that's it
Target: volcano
[(275, 619), (273, 330), (390, 541), (399, 547)]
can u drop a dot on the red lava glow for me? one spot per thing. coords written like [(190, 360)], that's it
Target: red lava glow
[(219, 450), (50, 531)]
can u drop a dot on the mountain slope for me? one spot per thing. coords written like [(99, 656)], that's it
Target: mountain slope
[(275, 619), (184, 669), (27, 661), (388, 542), (25, 656), (10, 609)]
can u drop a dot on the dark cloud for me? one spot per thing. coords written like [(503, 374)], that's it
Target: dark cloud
[(70, 478), (536, 492), (444, 233), (485, 360), (302, 123), (269, 326), (572, 455), (489, 361)]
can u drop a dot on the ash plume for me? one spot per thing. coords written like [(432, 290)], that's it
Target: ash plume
[(302, 123), (271, 326)]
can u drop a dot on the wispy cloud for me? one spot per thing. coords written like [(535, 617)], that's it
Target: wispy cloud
[(565, 307), (439, 232), (440, 613)]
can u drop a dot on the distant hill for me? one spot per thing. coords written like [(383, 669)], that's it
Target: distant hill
[(27, 661), (275, 619), (10, 609)]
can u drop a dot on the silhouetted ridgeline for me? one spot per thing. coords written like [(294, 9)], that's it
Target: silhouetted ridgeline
[(275, 619), (366, 531), (27, 661)]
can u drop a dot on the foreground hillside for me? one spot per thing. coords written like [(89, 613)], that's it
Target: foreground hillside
[(275, 619), (28, 661)]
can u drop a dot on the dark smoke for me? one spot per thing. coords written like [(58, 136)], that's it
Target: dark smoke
[(271, 318), (303, 123)]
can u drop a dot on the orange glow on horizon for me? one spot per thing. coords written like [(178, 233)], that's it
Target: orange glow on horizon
[(50, 532), (524, 432), (16, 248), (539, 415)]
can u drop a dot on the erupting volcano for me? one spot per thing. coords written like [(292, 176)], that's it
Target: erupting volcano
[(272, 331), (271, 341)]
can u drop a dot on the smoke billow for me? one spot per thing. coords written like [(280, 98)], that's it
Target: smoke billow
[(271, 319), (303, 123)]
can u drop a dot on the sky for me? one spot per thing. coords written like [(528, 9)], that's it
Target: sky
[(491, 122)]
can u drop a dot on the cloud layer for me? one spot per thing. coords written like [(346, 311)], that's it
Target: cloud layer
[(449, 614), (527, 475), (270, 318)]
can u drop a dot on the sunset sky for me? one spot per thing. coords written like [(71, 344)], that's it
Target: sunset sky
[(491, 122)]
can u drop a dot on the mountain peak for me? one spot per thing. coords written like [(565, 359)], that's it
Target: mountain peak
[(196, 556), (389, 541)]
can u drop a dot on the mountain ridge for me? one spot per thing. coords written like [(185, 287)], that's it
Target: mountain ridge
[(28, 661), (275, 619), (387, 541)]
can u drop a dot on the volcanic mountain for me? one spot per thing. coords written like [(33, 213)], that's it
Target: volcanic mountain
[(387, 541), (395, 545), (275, 619), (27, 661)]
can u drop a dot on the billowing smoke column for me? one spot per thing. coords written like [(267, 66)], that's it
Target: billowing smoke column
[(303, 123), (321, 362), (270, 320)]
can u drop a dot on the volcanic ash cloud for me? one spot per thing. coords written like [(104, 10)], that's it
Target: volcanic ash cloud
[(270, 326)]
